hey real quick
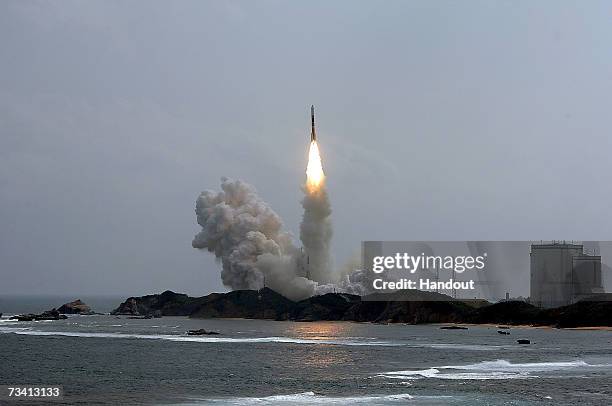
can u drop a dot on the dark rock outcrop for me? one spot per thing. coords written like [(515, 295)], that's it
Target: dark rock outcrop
[(52, 314), (249, 304), (167, 304), (513, 313), (331, 306), (411, 306), (422, 312), (582, 314), (76, 307), (254, 304), (586, 313)]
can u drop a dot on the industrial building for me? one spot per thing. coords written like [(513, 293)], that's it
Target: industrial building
[(563, 273)]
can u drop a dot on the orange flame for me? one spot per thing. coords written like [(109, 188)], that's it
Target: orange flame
[(314, 171)]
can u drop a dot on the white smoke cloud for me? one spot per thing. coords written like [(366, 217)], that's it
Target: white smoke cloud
[(316, 234), (247, 236)]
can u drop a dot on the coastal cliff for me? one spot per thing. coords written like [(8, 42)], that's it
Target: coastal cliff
[(413, 307)]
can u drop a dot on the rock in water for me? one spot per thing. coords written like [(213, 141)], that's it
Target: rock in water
[(52, 314), (23, 317), (129, 307), (201, 332), (76, 307)]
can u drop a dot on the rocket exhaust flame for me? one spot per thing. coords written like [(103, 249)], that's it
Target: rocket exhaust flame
[(316, 227), (314, 170)]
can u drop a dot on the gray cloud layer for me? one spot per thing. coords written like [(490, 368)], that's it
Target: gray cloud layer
[(437, 121)]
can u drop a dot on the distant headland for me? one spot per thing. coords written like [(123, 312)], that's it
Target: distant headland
[(410, 306)]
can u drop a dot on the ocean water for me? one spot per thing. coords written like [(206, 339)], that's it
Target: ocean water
[(115, 360)]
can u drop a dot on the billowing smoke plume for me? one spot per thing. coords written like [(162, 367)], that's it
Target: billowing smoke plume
[(316, 233), (246, 235)]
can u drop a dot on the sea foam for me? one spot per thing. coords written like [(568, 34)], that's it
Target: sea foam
[(312, 398), (487, 370), (200, 339)]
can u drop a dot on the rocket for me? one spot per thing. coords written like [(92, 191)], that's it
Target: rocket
[(313, 134)]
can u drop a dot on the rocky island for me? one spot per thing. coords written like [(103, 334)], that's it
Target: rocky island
[(410, 306), (75, 307)]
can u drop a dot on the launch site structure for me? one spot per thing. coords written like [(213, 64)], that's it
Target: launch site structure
[(563, 273)]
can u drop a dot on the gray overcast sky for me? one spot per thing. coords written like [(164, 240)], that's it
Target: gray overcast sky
[(437, 121)]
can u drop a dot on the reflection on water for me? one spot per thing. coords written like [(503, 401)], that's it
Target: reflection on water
[(320, 330), (325, 359), (322, 358)]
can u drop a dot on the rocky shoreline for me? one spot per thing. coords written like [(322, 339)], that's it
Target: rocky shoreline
[(52, 314), (412, 307), (74, 307)]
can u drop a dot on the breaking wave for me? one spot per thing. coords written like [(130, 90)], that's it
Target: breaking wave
[(201, 339), (468, 347), (348, 341), (312, 398), (487, 370)]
